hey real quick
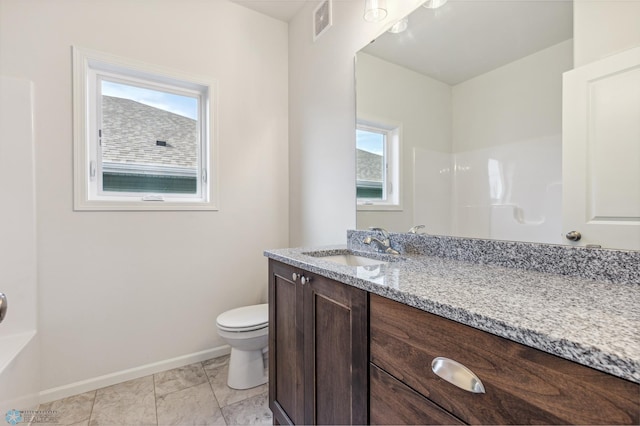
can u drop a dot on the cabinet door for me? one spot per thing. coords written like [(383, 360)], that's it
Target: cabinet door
[(601, 151), (336, 353), (285, 346)]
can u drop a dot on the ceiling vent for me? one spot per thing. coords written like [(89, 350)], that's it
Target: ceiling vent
[(321, 19)]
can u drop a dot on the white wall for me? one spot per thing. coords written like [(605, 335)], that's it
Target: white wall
[(322, 119), (119, 290), (604, 27), (433, 175), (392, 94), (520, 101)]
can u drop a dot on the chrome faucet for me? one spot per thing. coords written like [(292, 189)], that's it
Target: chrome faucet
[(384, 245), (414, 230)]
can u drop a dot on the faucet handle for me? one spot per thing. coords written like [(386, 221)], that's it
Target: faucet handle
[(383, 231), (414, 230)]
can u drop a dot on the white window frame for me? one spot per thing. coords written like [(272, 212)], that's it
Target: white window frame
[(392, 179), (89, 68)]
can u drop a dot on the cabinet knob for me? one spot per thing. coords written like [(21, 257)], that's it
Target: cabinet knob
[(305, 280), (294, 276), (457, 374)]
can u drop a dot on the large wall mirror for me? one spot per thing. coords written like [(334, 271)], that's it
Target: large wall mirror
[(460, 121), (473, 121)]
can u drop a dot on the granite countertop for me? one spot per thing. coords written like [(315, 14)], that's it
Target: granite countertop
[(594, 323)]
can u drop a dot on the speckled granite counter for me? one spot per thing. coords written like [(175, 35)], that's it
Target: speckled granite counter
[(592, 322)]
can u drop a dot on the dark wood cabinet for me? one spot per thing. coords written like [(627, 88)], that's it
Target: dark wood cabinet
[(318, 349), (339, 355), (522, 385)]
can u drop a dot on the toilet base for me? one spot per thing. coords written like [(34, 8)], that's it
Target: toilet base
[(246, 369)]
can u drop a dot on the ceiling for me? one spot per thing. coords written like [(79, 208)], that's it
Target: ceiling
[(463, 39), (283, 10)]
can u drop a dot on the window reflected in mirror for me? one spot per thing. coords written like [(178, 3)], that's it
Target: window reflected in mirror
[(377, 165)]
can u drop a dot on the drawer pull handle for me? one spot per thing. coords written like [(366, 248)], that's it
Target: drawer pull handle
[(457, 374)]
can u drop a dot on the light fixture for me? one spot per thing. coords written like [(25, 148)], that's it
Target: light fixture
[(399, 26), (375, 10), (434, 4)]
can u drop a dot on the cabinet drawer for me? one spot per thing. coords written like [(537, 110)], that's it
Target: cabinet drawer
[(392, 402), (523, 385)]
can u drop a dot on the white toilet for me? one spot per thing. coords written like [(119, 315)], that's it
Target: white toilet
[(246, 330)]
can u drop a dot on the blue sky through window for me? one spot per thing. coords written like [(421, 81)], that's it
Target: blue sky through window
[(370, 141), (182, 105)]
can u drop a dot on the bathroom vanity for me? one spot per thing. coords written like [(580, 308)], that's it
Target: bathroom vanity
[(381, 343)]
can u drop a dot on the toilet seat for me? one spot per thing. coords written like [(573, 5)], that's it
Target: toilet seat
[(247, 318)]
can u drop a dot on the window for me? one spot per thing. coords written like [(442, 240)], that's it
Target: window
[(142, 137), (377, 167)]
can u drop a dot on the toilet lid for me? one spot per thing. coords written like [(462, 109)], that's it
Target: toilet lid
[(247, 318)]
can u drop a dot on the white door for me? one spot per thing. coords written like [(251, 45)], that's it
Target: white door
[(601, 152)]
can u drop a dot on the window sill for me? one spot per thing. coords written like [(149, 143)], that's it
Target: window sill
[(95, 205), (379, 207)]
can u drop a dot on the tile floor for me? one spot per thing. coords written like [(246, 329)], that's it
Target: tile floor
[(196, 394)]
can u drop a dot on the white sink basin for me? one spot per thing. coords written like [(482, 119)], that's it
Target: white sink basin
[(352, 260)]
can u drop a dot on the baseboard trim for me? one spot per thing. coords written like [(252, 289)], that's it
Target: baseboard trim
[(82, 386)]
